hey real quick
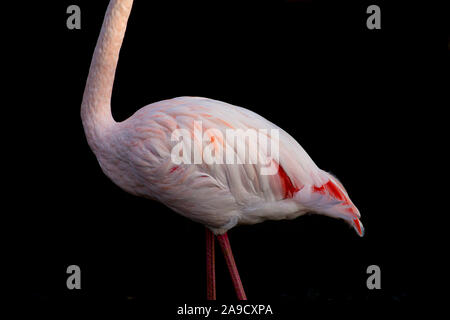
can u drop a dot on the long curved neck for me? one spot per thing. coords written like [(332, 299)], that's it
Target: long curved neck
[(96, 106)]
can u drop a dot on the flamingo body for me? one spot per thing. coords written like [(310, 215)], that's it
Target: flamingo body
[(136, 155)]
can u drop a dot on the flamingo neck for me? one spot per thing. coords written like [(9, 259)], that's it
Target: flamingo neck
[(96, 106)]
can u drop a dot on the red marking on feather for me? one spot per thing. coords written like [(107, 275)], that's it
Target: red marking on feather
[(334, 191), (286, 183), (358, 226), (173, 169), (320, 189)]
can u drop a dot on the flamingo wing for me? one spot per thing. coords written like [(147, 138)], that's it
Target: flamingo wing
[(219, 195)]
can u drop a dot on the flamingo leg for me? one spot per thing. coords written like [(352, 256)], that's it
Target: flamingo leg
[(226, 249), (210, 266)]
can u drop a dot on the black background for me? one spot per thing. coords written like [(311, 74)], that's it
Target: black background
[(346, 93)]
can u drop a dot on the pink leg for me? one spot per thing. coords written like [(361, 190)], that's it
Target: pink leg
[(210, 267), (226, 249)]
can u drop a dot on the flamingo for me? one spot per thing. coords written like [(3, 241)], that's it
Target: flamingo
[(136, 155)]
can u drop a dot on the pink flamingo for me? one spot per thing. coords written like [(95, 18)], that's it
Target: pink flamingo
[(136, 155)]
